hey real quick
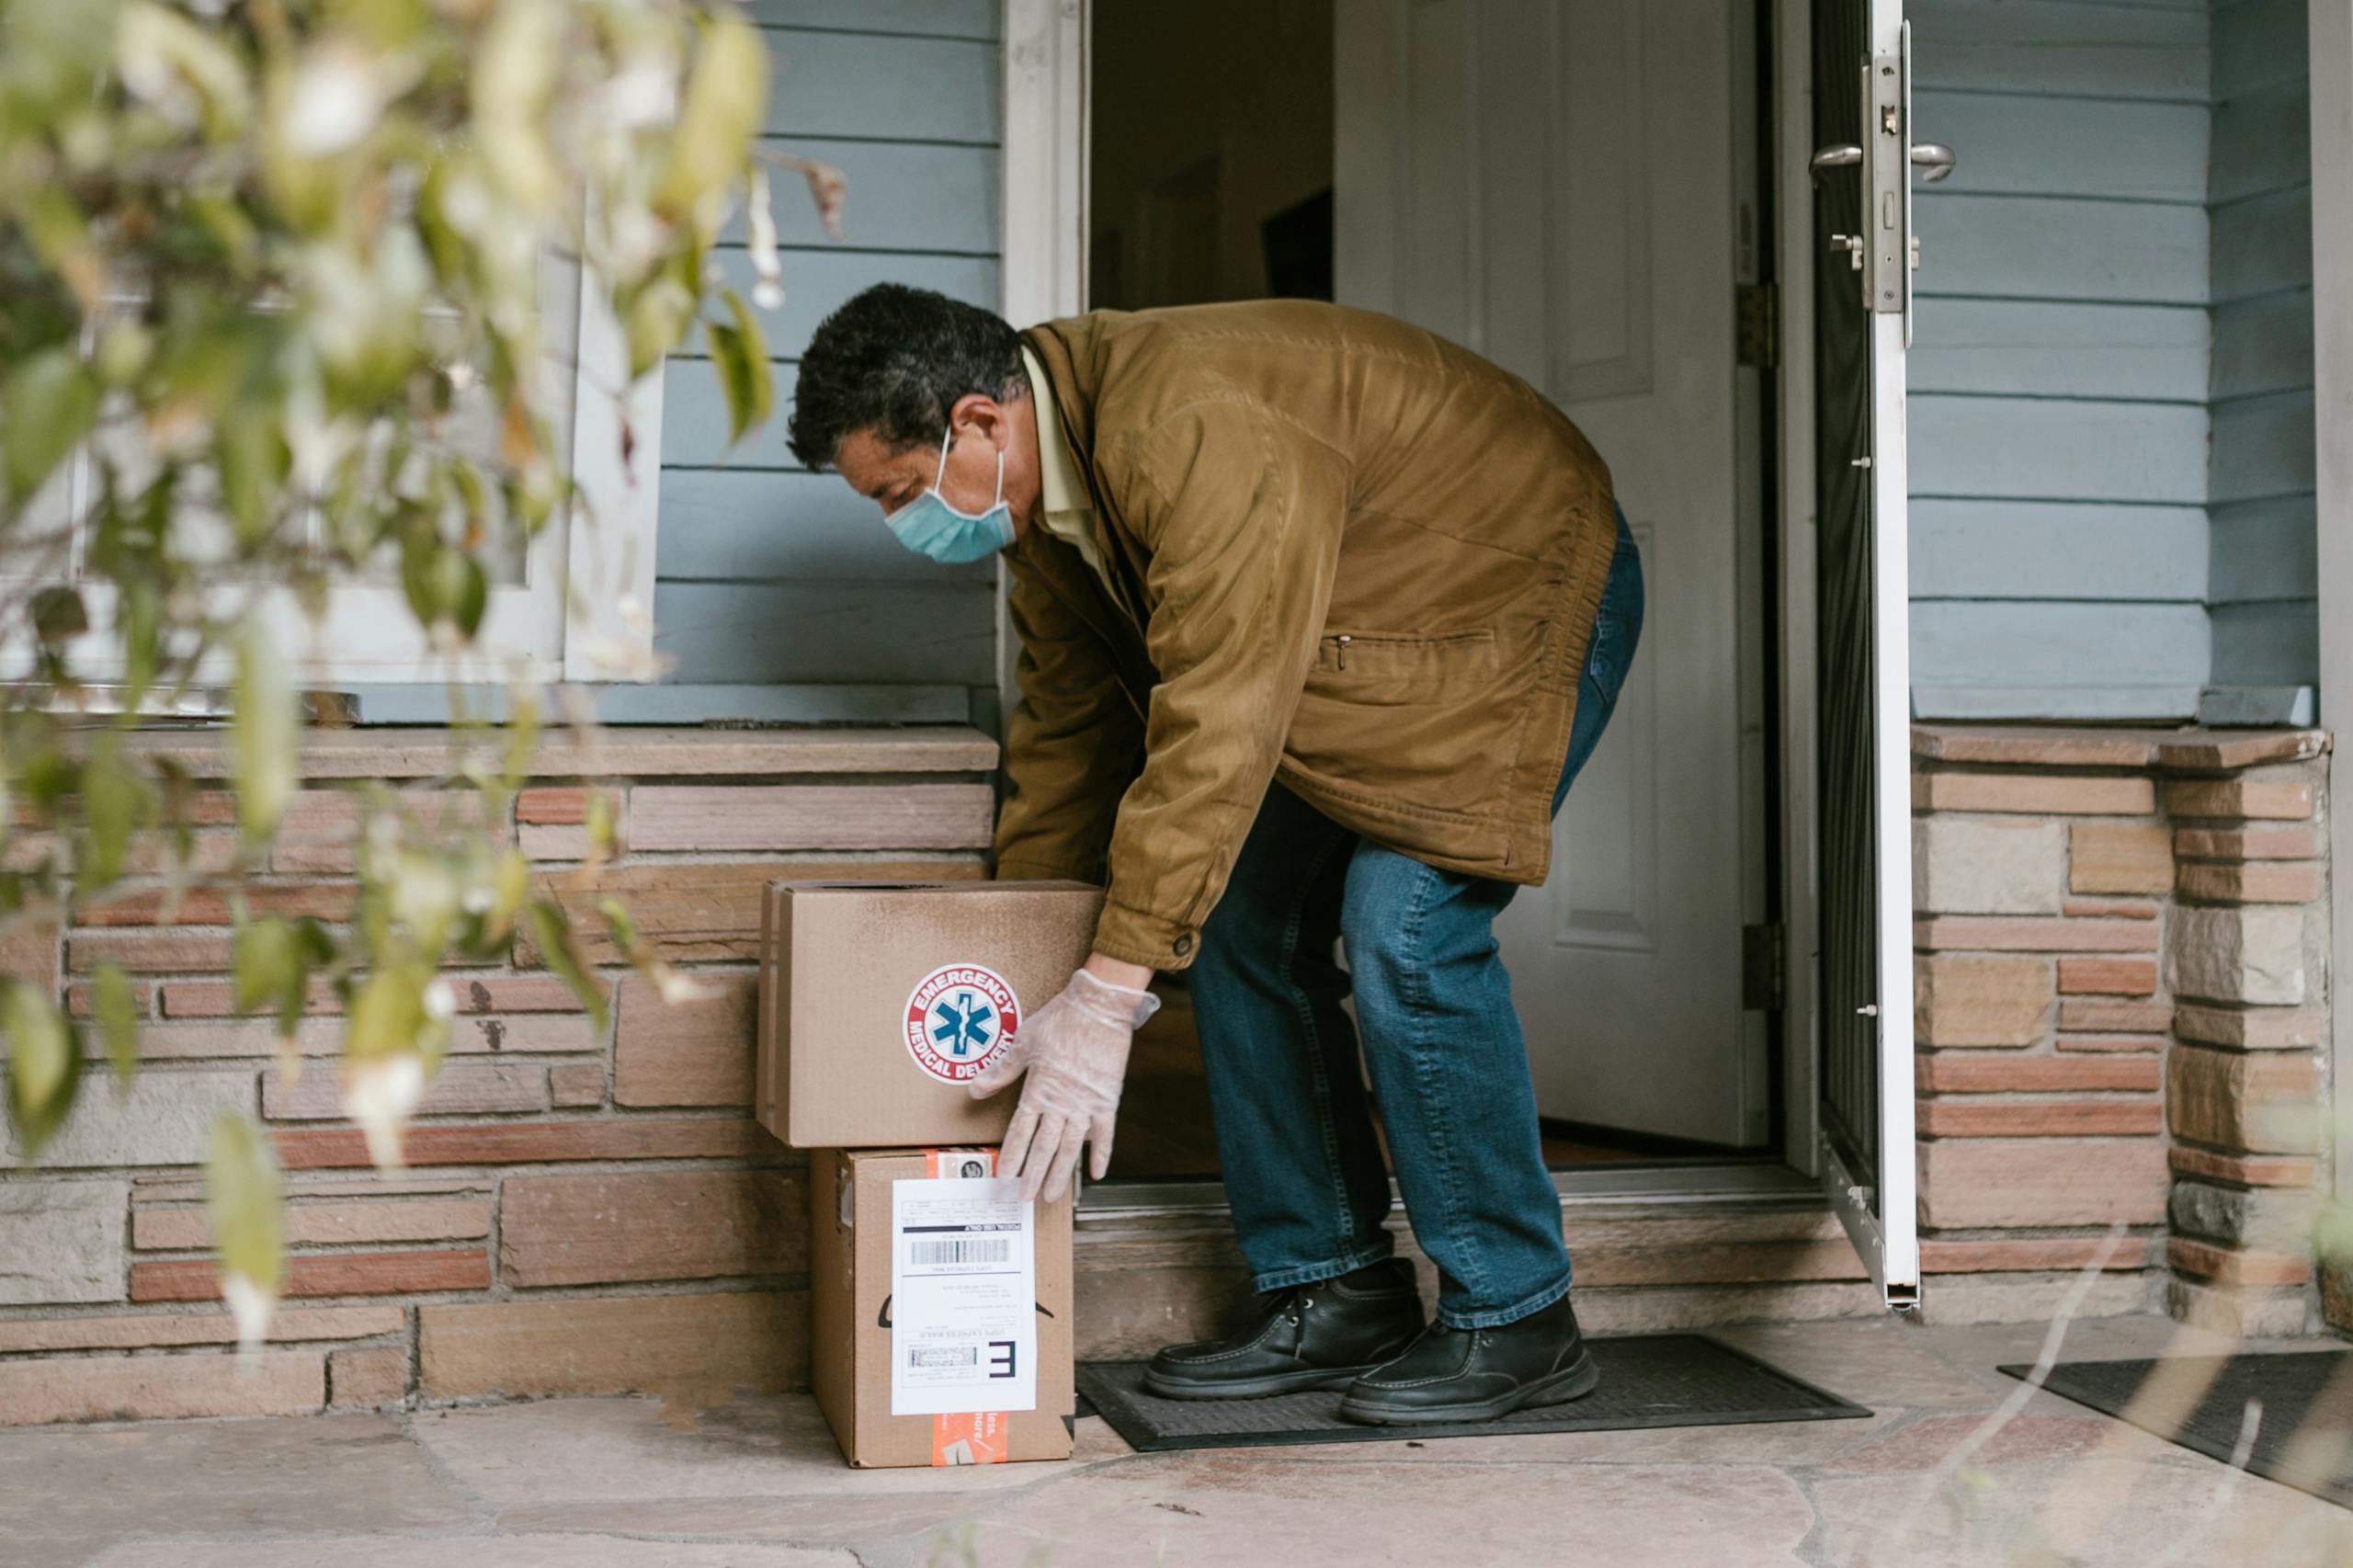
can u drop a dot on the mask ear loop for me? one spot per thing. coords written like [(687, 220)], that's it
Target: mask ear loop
[(948, 436)]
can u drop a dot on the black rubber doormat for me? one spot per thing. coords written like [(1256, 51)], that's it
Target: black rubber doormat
[(1647, 1380), (2299, 1393)]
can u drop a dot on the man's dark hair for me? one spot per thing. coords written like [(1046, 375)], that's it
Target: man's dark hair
[(895, 360)]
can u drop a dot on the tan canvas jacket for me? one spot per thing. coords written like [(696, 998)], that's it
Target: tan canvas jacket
[(1343, 552)]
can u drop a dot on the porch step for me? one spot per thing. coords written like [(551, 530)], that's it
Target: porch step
[(1146, 1280)]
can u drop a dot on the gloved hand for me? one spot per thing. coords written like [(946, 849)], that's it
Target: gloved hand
[(1074, 1050)]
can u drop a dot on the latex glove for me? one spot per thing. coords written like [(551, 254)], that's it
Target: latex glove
[(1074, 1052)]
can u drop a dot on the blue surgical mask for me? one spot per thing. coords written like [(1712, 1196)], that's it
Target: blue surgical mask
[(929, 525)]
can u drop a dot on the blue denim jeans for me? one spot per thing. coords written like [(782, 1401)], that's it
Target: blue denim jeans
[(1439, 1040)]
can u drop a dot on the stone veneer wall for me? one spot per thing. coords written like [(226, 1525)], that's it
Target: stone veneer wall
[(2122, 992), (581, 1212), (589, 1213)]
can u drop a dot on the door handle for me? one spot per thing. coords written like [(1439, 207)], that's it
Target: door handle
[(1933, 159)]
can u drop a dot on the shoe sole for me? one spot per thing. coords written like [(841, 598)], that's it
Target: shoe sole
[(1256, 1388), (1559, 1388)]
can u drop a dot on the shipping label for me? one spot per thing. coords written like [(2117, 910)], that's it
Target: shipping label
[(963, 1296)]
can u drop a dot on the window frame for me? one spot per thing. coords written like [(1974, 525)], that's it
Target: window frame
[(594, 559)]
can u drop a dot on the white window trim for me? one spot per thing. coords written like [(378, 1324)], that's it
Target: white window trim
[(610, 633), (597, 555)]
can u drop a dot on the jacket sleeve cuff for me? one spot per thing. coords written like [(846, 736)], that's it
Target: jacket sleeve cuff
[(1136, 935)]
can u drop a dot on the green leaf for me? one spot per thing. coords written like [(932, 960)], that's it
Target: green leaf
[(44, 1064), (425, 897), (270, 963), (116, 802), (657, 316), (176, 807), (522, 736), (264, 743), (313, 951), (473, 499), (51, 403), (512, 80), (445, 586), (620, 923), (56, 227), (603, 834), (739, 354), (533, 494), (228, 225), (387, 1013), (117, 1011), (46, 776), (169, 59), (252, 460), (394, 1013), (469, 594), (726, 99), (552, 933), (510, 888), (264, 962), (59, 615), (125, 350), (139, 626), (242, 1202)]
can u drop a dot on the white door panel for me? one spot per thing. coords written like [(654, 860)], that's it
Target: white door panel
[(1551, 183)]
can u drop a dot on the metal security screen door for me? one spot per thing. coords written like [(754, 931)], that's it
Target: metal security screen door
[(1862, 312)]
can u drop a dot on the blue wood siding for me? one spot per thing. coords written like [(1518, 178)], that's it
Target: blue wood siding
[(774, 580), (2266, 616), (2062, 361)]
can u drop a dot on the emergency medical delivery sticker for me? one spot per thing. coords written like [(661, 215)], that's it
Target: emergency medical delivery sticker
[(959, 1019)]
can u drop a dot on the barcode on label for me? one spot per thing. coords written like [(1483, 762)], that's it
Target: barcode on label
[(925, 1251), (929, 1356)]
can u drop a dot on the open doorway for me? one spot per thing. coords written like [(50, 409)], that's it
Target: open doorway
[(1509, 187)]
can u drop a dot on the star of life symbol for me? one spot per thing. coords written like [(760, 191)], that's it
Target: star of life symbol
[(958, 1021)]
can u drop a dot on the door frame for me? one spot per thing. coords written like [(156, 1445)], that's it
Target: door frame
[(1801, 859), (1045, 159), (1044, 162)]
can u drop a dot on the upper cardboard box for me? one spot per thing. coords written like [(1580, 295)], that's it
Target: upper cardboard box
[(880, 1001)]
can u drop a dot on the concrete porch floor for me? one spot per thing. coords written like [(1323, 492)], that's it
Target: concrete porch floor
[(627, 1483)]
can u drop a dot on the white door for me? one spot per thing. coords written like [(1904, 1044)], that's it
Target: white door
[(1551, 183), (1862, 324)]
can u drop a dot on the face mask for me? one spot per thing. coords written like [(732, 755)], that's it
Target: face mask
[(929, 525)]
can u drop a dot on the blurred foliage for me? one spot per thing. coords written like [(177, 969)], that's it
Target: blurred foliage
[(270, 278)]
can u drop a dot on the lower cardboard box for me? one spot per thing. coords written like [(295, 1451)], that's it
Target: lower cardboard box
[(853, 1315)]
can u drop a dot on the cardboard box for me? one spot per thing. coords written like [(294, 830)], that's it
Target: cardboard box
[(880, 1002), (851, 1312)]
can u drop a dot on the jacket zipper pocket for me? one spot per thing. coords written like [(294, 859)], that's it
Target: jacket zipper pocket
[(1344, 640)]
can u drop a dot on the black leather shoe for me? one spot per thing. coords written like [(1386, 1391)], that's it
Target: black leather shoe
[(1477, 1374), (1323, 1335)]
